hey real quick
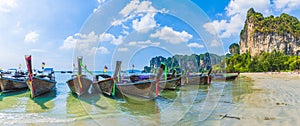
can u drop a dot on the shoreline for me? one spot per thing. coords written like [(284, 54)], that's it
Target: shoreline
[(274, 101)]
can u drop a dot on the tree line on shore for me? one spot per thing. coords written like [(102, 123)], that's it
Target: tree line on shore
[(264, 62)]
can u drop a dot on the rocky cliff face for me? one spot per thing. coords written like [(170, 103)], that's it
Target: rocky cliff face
[(268, 34)]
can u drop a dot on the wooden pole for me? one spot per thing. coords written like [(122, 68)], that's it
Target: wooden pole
[(79, 60), (116, 76), (160, 72)]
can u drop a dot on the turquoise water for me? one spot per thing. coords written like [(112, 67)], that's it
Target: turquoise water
[(190, 105)]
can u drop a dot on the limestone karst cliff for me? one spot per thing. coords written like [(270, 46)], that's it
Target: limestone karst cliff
[(260, 33)]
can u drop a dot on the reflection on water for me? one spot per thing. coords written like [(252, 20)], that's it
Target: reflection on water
[(179, 107), (11, 100), (138, 107), (241, 87), (42, 103), (231, 96)]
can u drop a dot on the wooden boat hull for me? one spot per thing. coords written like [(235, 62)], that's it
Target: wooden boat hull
[(79, 85), (12, 84), (40, 86), (197, 80), (142, 90), (225, 78), (137, 90), (170, 84), (106, 86)]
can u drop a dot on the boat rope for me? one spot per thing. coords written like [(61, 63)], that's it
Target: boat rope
[(81, 64), (79, 81)]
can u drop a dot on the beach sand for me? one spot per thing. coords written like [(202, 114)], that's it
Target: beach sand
[(275, 100)]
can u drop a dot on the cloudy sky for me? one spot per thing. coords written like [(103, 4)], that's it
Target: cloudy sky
[(103, 31)]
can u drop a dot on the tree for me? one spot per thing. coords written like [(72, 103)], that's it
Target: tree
[(234, 48)]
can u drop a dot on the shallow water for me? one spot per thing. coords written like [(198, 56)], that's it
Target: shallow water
[(190, 105)]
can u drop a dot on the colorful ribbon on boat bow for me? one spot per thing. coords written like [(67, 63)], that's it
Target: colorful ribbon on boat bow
[(84, 67), (115, 83)]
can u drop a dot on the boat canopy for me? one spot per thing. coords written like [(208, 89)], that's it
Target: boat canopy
[(48, 69)]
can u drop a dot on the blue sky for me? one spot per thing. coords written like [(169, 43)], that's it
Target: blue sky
[(103, 31)]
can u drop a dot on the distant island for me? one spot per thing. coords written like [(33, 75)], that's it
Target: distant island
[(193, 63), (266, 44)]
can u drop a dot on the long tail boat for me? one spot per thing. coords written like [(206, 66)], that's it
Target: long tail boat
[(107, 86), (141, 89), (225, 77), (170, 81), (39, 84), (201, 79), (79, 84), (13, 82)]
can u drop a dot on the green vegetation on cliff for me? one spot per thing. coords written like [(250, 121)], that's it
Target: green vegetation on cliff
[(194, 62), (281, 24)]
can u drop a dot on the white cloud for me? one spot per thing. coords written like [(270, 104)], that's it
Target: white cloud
[(106, 37), (81, 40), (89, 51), (135, 9), (7, 5), (69, 43), (242, 6), (100, 2), (85, 40), (31, 37), (286, 5), (143, 43), (236, 12), (219, 14), (135, 6), (103, 50), (215, 43), (38, 51), (145, 24), (215, 26), (122, 49), (195, 45), (169, 35), (144, 14)]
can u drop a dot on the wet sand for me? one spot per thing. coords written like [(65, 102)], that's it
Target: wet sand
[(275, 100)]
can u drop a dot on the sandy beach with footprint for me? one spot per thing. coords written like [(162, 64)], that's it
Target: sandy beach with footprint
[(275, 100)]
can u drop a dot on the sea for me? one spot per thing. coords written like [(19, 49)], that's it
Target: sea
[(188, 105)]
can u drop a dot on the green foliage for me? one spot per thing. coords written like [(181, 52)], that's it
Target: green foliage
[(281, 25), (194, 62), (234, 48), (274, 61)]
